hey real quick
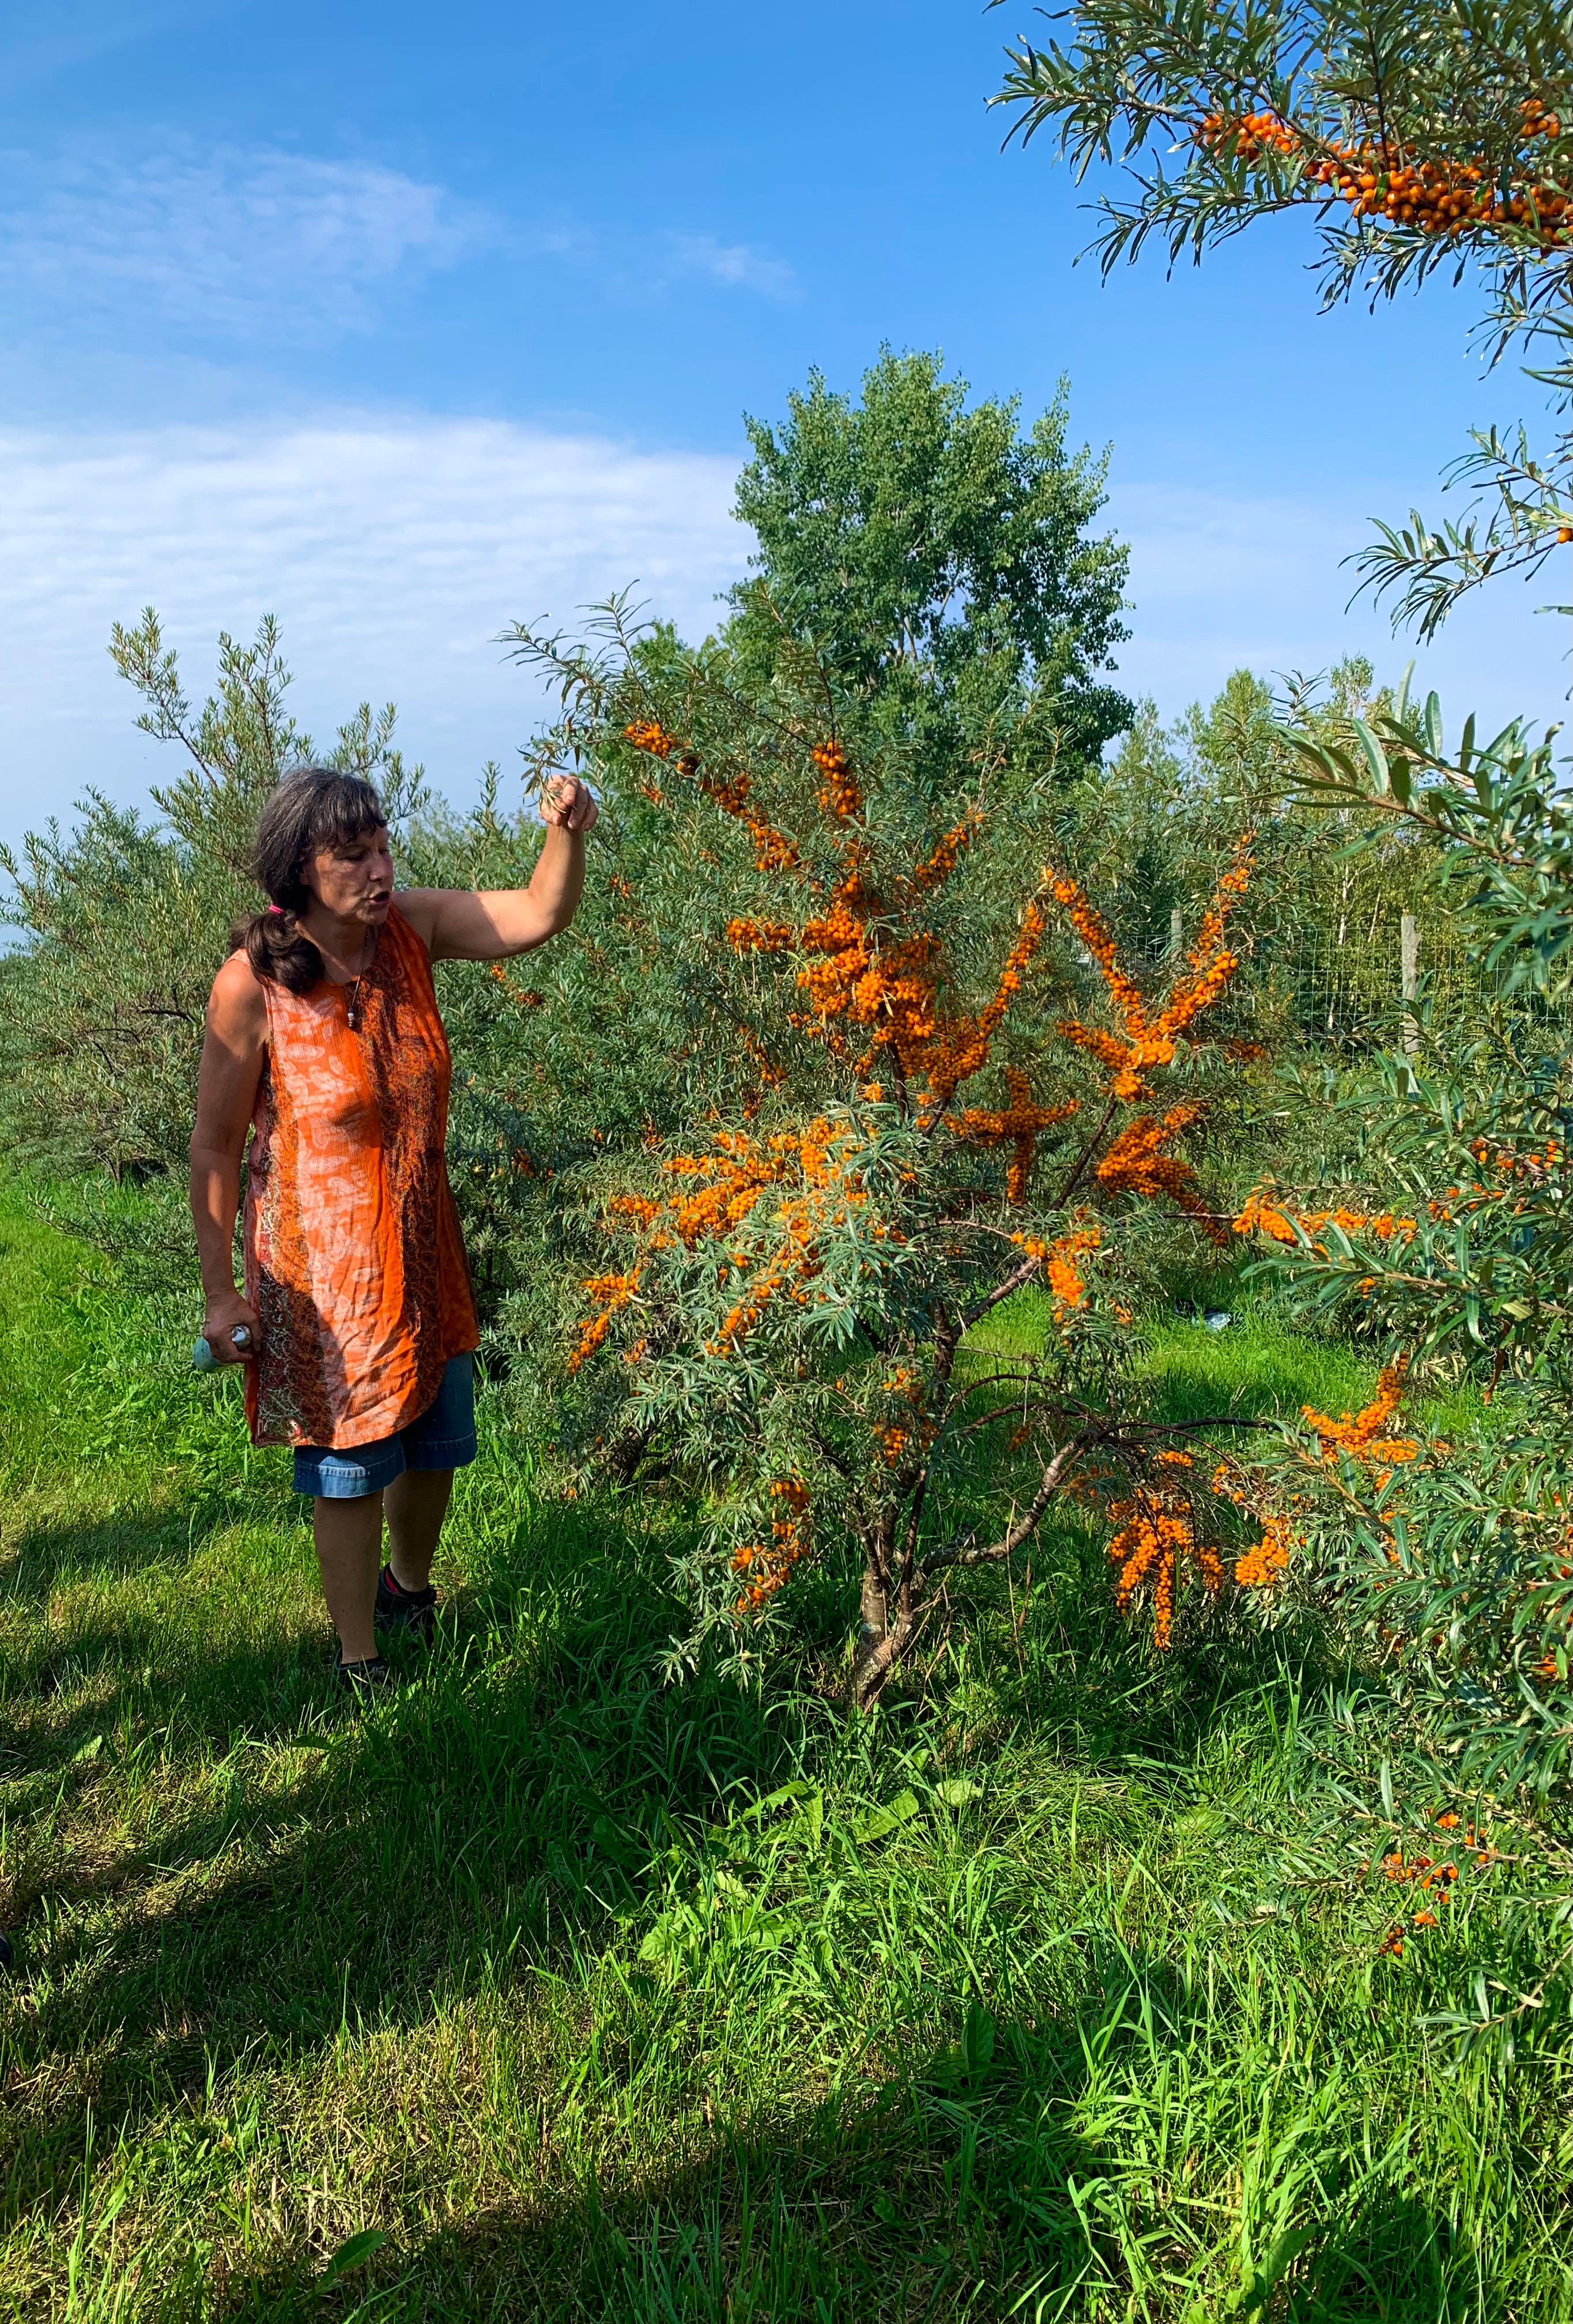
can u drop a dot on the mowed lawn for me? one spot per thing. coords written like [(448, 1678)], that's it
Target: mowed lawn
[(1055, 1990)]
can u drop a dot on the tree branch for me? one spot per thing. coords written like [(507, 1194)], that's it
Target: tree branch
[(973, 1553)]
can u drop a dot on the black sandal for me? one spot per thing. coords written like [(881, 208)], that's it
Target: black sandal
[(365, 1679), (398, 1609)]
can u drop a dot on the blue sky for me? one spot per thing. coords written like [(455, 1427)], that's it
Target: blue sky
[(406, 322)]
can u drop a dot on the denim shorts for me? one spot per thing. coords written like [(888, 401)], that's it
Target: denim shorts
[(444, 1437)]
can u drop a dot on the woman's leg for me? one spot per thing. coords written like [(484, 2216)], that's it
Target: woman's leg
[(349, 1550), (416, 1503)]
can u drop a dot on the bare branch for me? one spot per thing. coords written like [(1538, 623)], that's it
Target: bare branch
[(989, 1554)]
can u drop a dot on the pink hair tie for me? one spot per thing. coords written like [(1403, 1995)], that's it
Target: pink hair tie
[(276, 908)]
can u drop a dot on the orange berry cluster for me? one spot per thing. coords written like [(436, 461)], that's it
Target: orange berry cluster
[(914, 1427), (1252, 134), (1157, 1538), (1427, 1878), (759, 936), (1262, 1215), (854, 971), (1157, 1541), (526, 999), (1143, 1041), (814, 1175), (645, 734), (1137, 1164), (939, 866), (610, 1293), (839, 795), (1058, 1260), (1017, 1125), (1258, 1567), (1432, 198), (1360, 1436), (1262, 1564), (887, 986), (1535, 1163), (770, 1562), (773, 850)]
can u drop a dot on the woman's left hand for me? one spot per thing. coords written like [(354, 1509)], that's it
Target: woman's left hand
[(569, 805)]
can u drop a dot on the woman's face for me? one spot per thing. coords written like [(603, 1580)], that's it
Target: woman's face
[(354, 881)]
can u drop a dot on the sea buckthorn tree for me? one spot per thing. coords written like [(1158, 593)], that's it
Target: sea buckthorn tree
[(930, 1086), (1453, 1246), (1420, 138)]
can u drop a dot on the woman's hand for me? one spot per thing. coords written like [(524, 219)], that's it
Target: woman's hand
[(225, 1311), (569, 805)]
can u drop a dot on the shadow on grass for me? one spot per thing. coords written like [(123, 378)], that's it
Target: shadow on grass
[(509, 1798), (987, 2181), (504, 1808), (124, 1649)]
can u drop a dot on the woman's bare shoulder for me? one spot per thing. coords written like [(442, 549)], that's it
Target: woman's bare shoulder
[(418, 909), (238, 1007)]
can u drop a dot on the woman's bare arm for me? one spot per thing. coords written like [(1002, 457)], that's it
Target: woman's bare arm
[(467, 923), (226, 1096)]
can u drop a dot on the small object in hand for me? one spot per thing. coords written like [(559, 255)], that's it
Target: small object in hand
[(203, 1358)]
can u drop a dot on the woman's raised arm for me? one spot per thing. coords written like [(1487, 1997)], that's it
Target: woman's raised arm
[(493, 924)]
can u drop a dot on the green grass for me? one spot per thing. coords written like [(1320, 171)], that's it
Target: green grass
[(1053, 1991)]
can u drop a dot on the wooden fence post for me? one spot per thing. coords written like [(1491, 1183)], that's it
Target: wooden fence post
[(1176, 934), (1409, 979)]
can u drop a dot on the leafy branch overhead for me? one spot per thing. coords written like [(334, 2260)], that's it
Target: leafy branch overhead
[(1419, 138)]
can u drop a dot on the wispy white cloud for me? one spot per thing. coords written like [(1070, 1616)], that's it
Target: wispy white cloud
[(393, 550), (735, 265), (392, 553), (232, 244)]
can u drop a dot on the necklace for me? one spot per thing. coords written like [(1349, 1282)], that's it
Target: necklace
[(353, 1007)]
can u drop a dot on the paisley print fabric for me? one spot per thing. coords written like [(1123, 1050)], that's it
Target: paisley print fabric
[(353, 1258)]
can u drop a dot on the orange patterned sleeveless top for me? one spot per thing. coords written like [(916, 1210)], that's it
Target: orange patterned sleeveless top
[(354, 1258)]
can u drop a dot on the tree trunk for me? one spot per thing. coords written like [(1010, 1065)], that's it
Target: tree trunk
[(885, 1630)]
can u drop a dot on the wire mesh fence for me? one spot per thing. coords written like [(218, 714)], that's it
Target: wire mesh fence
[(1360, 987)]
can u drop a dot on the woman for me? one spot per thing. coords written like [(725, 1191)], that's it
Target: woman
[(356, 1325)]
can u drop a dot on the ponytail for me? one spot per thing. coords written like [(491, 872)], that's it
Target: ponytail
[(278, 946), (312, 807)]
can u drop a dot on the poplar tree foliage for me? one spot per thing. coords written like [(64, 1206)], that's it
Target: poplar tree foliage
[(939, 565)]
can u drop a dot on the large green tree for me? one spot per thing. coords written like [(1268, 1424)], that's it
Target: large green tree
[(942, 568)]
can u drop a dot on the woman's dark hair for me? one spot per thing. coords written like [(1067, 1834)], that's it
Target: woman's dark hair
[(313, 807)]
